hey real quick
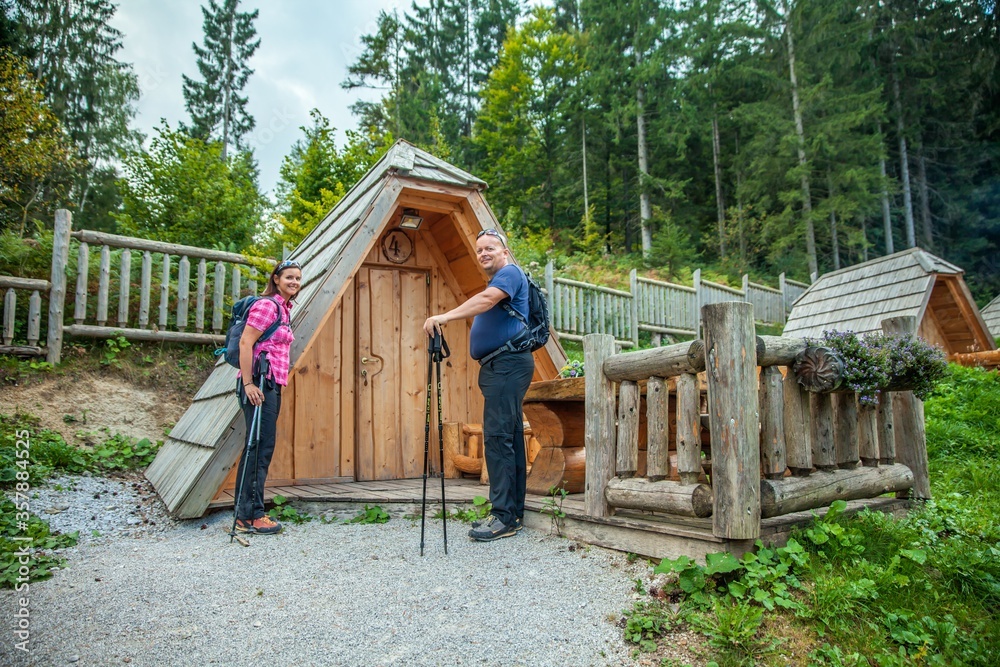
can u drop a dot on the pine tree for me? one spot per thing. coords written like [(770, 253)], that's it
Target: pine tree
[(10, 31), (215, 105), (379, 67), (72, 49)]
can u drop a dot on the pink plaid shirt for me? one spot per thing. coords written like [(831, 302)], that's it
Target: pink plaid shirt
[(261, 316)]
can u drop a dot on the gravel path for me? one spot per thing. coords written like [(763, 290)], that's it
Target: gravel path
[(142, 589)]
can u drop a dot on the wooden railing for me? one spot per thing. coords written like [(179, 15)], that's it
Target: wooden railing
[(181, 315), (173, 318), (12, 343), (578, 308), (776, 448), (661, 308)]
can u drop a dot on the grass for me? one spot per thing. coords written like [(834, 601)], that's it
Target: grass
[(29, 455), (867, 589)]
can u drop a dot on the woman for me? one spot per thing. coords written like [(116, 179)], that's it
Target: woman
[(263, 389)]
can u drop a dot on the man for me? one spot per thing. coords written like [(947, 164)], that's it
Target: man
[(504, 377)]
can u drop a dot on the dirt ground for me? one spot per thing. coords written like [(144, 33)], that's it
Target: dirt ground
[(81, 407)]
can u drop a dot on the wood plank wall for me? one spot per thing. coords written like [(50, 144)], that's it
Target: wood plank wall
[(317, 429)]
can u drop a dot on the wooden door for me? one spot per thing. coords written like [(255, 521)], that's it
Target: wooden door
[(391, 372)]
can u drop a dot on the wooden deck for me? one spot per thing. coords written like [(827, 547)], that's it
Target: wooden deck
[(646, 534)]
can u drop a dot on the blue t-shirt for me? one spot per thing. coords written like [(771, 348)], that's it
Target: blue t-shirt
[(496, 326)]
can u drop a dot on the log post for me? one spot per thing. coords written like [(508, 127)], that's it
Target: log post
[(845, 430), (146, 282), (657, 430), (218, 292), (82, 268), (886, 431), (57, 293), (34, 317), (183, 291), (628, 429), (798, 450), (824, 452), (868, 435), (9, 310), (772, 427), (124, 286), (599, 439), (103, 285), (688, 428), (451, 436), (730, 345), (908, 420)]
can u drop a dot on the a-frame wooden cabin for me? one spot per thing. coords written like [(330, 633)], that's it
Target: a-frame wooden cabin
[(354, 408), (912, 282)]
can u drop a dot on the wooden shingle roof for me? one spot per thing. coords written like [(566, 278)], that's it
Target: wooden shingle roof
[(991, 315), (859, 297)]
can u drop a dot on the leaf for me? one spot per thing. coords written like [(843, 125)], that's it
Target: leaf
[(916, 555), (736, 589), (720, 563), (676, 565), (691, 580)]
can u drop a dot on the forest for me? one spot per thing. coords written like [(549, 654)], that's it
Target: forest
[(770, 136)]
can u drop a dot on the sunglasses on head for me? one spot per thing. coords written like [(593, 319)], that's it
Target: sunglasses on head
[(492, 232)]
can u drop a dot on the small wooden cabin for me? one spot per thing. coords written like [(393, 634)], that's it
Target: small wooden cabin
[(909, 283), (354, 408)]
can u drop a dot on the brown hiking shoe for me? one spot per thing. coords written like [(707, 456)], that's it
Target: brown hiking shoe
[(265, 525)]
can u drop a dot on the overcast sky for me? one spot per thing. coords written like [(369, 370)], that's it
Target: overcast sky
[(305, 48)]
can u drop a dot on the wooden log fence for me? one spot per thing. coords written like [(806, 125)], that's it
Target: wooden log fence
[(785, 437), (658, 307), (193, 284), (119, 307)]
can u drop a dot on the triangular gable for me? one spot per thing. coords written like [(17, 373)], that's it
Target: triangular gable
[(908, 283), (207, 439)]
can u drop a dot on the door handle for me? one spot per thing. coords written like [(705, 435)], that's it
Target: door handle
[(365, 360)]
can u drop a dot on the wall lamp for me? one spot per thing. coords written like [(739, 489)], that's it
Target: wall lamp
[(410, 219)]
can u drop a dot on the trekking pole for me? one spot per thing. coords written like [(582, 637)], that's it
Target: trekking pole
[(434, 356), (252, 437), (427, 440), (253, 441), (439, 356)]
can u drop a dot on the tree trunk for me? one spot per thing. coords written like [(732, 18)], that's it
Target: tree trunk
[(645, 207), (864, 239), (801, 146), (886, 217), (227, 82), (833, 227), (925, 205), (904, 165), (586, 200), (719, 202)]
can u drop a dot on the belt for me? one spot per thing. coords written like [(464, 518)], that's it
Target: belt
[(506, 347)]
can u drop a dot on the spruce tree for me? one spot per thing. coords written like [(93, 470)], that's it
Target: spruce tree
[(218, 110), (72, 49)]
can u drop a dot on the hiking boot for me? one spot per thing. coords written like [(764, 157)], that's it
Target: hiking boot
[(265, 525), (493, 530), (482, 522), (518, 522)]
